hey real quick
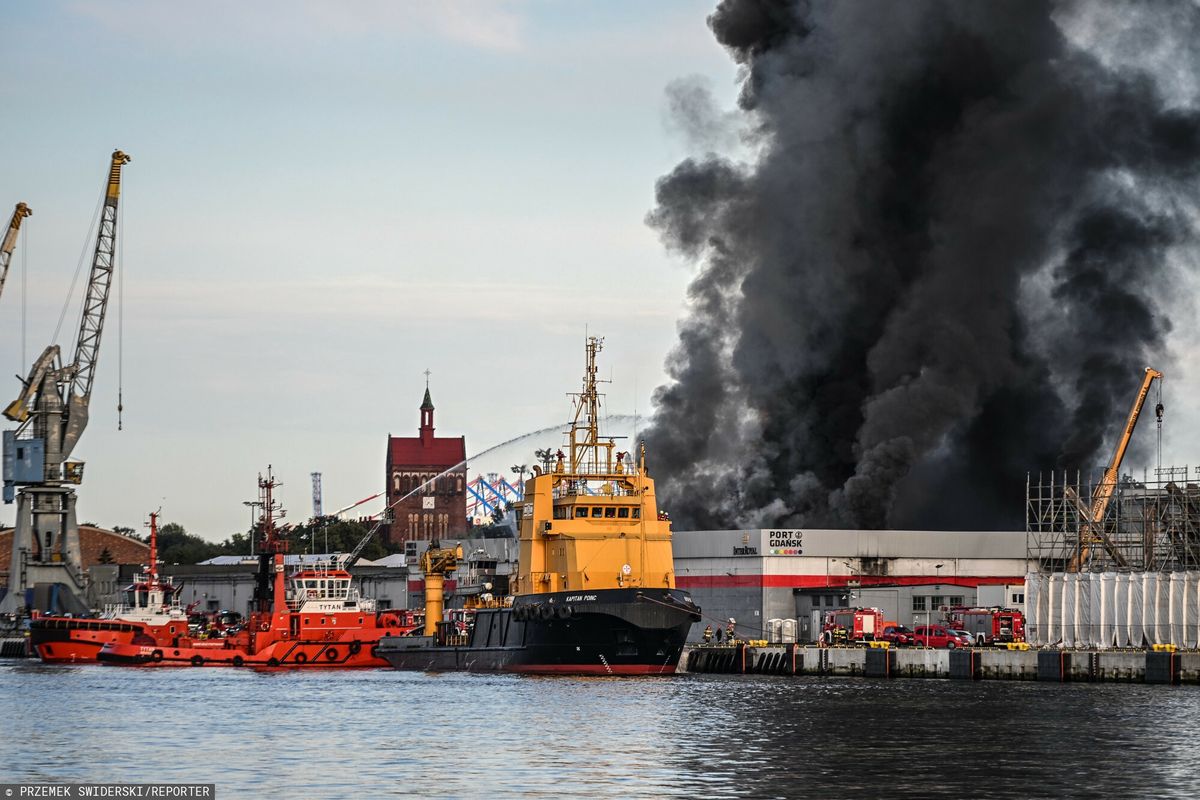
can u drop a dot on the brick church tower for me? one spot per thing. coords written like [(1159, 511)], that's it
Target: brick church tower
[(437, 510)]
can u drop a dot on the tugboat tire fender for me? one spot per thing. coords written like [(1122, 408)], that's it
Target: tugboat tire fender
[(564, 612), (546, 612), (197, 661), (157, 655), (301, 657), (272, 662), (375, 651), (331, 654), (355, 647), (238, 661)]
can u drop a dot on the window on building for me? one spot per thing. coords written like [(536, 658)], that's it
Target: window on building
[(1018, 598), (829, 600), (918, 602), (937, 601), (956, 600)]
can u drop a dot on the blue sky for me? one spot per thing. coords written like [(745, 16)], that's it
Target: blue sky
[(326, 199)]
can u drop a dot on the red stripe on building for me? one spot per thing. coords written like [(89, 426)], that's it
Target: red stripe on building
[(839, 581)]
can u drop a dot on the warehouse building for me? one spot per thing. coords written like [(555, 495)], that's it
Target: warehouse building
[(757, 575)]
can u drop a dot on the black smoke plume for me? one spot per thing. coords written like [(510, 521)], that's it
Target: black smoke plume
[(945, 263)]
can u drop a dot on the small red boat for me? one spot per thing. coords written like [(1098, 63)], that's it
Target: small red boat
[(150, 611), (312, 618)]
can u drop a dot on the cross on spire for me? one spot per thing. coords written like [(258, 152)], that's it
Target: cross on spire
[(427, 374)]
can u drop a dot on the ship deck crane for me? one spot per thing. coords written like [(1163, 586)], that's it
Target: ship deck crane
[(52, 410), (1092, 529), (436, 563), (10, 240)]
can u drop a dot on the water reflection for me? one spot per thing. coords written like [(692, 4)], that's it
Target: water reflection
[(383, 733)]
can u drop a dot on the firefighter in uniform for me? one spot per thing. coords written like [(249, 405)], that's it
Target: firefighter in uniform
[(708, 634), (729, 633)]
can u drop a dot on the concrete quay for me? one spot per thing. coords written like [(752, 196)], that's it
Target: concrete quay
[(1059, 666)]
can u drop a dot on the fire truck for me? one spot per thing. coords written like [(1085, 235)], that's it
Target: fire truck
[(844, 625), (989, 625)]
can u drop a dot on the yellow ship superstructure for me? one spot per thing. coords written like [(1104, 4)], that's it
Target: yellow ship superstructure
[(590, 521)]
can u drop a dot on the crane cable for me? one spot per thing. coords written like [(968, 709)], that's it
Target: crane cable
[(24, 295), (1158, 413), (79, 267)]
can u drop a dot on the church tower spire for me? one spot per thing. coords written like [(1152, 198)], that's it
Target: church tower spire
[(427, 416)]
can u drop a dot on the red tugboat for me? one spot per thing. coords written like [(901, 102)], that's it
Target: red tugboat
[(310, 619), (150, 612)]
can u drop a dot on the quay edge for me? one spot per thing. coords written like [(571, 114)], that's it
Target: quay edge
[(1060, 666)]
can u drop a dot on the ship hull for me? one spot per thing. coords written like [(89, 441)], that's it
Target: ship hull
[(69, 640), (355, 650), (605, 632)]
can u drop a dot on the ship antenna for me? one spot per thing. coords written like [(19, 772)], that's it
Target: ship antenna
[(587, 413)]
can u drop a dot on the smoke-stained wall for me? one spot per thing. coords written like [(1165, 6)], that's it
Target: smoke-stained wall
[(945, 261)]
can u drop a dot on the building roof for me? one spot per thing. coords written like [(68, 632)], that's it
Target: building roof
[(440, 451), (392, 560), (93, 542), (291, 559)]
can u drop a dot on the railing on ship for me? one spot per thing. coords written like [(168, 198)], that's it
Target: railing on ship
[(583, 488)]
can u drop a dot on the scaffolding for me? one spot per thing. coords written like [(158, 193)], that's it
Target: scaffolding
[(1152, 524)]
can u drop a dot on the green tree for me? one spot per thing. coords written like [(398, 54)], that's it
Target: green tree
[(177, 546), (342, 537)]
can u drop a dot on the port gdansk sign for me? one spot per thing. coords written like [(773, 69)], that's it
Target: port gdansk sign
[(778, 543)]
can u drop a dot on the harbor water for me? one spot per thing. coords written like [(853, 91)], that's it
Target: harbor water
[(381, 733)]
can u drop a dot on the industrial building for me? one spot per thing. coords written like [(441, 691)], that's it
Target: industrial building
[(757, 575)]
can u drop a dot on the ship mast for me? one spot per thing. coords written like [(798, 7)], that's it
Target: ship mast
[(152, 573), (274, 547), (586, 447)]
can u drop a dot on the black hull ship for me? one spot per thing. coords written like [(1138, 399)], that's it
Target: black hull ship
[(594, 592), (607, 632)]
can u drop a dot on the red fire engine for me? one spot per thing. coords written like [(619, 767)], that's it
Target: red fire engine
[(989, 625), (851, 625)]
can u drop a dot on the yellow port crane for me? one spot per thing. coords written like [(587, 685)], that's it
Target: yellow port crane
[(1092, 528), (437, 562), (52, 413), (10, 240)]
